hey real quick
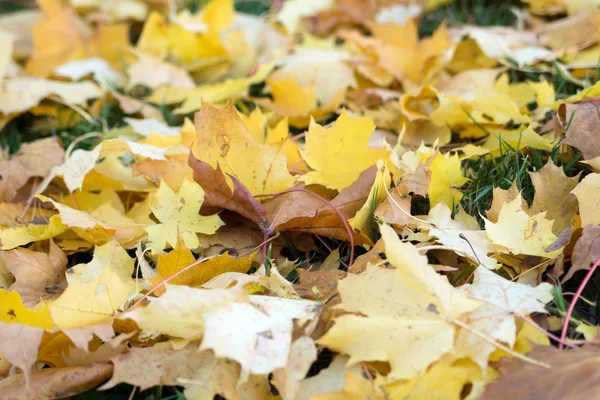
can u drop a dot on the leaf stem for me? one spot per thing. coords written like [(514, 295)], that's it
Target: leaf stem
[(582, 286)]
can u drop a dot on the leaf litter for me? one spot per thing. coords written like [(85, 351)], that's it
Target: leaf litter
[(329, 200)]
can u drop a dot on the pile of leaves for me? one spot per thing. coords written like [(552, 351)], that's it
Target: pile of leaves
[(333, 199)]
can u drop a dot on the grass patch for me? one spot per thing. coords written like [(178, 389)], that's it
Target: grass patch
[(472, 12)]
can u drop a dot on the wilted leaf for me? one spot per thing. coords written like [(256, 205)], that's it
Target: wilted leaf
[(288, 380), (580, 125), (219, 194), (163, 365), (586, 251), (527, 381), (19, 346), (37, 274), (55, 382)]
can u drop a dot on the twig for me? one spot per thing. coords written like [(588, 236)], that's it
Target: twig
[(198, 261)]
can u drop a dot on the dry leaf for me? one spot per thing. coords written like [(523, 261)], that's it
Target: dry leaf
[(56, 382), (527, 381), (163, 365), (586, 251), (219, 194), (39, 276)]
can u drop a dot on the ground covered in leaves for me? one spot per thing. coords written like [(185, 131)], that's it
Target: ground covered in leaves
[(309, 199)]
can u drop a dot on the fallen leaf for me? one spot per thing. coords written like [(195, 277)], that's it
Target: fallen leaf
[(163, 365), (224, 140), (19, 346), (446, 180), (288, 380), (173, 171), (355, 387), (154, 72), (469, 243), (61, 36), (528, 381), (219, 194), (220, 92), (395, 209), (181, 257), (148, 126), (588, 196), (56, 382), (563, 34), (263, 343), (328, 151), (495, 320), (553, 194), (95, 290), (443, 380), (325, 283), (328, 380), (363, 219), (19, 235), (77, 356), (12, 100), (518, 233), (176, 312), (178, 216), (74, 169), (579, 123), (586, 251), (36, 273), (99, 69), (411, 301)]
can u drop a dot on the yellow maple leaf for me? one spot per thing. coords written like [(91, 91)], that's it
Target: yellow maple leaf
[(487, 107), (499, 139), (355, 387), (60, 36), (588, 195), (224, 140), (408, 312), (161, 37), (176, 312), (19, 235), (518, 233), (298, 102), (182, 257), (96, 289), (178, 215), (446, 179), (213, 93), (13, 311), (443, 381), (362, 220), (262, 131), (524, 93), (340, 153), (13, 101)]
